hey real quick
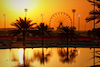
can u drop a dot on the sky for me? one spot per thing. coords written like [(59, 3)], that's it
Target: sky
[(16, 8)]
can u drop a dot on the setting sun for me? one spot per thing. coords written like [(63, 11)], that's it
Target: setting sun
[(19, 5), (22, 4), (16, 8)]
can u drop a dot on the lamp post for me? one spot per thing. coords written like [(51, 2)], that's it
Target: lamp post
[(25, 13), (79, 15), (4, 21), (73, 10), (42, 15)]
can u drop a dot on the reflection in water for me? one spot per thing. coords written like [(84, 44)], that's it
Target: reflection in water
[(24, 62), (42, 57), (55, 57), (96, 55), (29, 58), (67, 57), (21, 51)]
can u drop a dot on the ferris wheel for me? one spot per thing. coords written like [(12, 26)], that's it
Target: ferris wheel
[(60, 18)]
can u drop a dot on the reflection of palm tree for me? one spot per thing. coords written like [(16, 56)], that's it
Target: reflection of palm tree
[(95, 56), (27, 64), (26, 61), (66, 56), (42, 57), (23, 27)]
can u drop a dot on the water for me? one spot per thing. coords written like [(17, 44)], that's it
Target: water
[(49, 57)]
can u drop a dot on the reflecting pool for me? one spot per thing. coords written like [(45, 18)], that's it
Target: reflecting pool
[(50, 57)]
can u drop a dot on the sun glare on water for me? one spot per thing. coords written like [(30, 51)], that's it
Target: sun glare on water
[(21, 51)]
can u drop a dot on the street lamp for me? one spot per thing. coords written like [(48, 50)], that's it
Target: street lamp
[(79, 15), (42, 15), (4, 21), (73, 10), (25, 13)]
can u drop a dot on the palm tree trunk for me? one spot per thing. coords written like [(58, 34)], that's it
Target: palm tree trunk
[(24, 38), (67, 43), (11, 41), (67, 48), (42, 37), (24, 45)]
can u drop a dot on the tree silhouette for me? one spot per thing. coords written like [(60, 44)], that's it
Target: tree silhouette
[(67, 32), (97, 32), (96, 12), (23, 26), (42, 30)]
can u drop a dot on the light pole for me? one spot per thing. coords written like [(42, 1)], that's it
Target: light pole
[(73, 10), (79, 15), (4, 21), (42, 15), (25, 13)]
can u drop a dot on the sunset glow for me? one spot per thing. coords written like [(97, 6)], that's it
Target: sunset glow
[(22, 4), (15, 9), (49, 33)]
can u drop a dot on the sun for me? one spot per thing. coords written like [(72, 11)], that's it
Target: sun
[(23, 4)]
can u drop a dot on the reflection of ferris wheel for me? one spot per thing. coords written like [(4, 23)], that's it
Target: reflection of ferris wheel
[(60, 17)]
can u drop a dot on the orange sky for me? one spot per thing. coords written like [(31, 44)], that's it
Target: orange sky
[(15, 9)]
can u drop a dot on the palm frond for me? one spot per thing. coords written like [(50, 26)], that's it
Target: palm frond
[(90, 1), (90, 18), (23, 23), (97, 21), (97, 12), (16, 25), (15, 32)]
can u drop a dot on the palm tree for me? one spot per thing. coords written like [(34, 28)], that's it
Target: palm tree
[(67, 32), (23, 26), (42, 29), (96, 12)]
